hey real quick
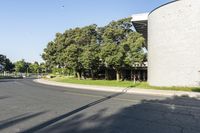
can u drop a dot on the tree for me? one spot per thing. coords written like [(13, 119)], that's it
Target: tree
[(114, 35), (116, 31), (55, 51), (42, 68), (112, 56), (6, 63), (50, 54), (21, 66), (115, 46), (133, 47), (72, 59), (90, 58), (34, 67)]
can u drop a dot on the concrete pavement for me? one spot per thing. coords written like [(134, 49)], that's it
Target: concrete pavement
[(122, 89)]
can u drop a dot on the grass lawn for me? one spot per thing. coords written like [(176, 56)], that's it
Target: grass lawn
[(94, 82), (114, 83)]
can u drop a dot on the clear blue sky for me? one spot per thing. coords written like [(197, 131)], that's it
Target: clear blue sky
[(26, 26)]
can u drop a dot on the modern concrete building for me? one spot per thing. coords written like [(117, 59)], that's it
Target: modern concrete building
[(172, 32)]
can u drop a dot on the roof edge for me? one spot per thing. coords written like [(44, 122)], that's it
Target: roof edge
[(163, 5), (139, 17)]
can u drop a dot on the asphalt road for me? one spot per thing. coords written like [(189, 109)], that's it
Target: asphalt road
[(26, 107)]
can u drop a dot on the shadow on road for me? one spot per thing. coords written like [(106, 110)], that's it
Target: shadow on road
[(172, 115), (17, 119), (4, 97), (7, 80), (54, 120)]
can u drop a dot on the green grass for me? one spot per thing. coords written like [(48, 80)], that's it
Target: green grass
[(114, 83), (94, 82), (145, 85)]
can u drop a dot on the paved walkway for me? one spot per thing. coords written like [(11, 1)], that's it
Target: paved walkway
[(121, 89)]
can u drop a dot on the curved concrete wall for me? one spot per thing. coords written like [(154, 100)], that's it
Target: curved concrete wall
[(174, 44)]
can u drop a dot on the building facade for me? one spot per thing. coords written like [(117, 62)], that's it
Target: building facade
[(173, 36)]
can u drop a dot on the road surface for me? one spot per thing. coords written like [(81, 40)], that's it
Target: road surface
[(26, 106)]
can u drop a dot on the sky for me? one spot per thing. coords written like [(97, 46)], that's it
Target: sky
[(26, 26)]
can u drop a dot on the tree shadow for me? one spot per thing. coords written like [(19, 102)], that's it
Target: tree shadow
[(196, 89), (61, 117), (4, 97), (7, 80), (17, 119), (171, 115)]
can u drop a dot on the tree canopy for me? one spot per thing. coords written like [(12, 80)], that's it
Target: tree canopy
[(6, 63), (90, 48)]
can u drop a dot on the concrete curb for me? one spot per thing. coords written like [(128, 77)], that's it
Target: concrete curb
[(167, 93)]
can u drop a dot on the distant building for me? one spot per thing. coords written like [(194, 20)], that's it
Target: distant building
[(172, 33)]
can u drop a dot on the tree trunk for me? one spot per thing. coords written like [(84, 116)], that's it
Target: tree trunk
[(106, 74), (118, 75), (75, 74), (134, 77), (123, 74), (131, 74), (92, 74), (78, 75), (83, 75)]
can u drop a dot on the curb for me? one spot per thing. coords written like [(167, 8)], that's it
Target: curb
[(80, 86), (167, 93)]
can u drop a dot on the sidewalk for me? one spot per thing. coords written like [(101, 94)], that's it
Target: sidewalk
[(121, 89)]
